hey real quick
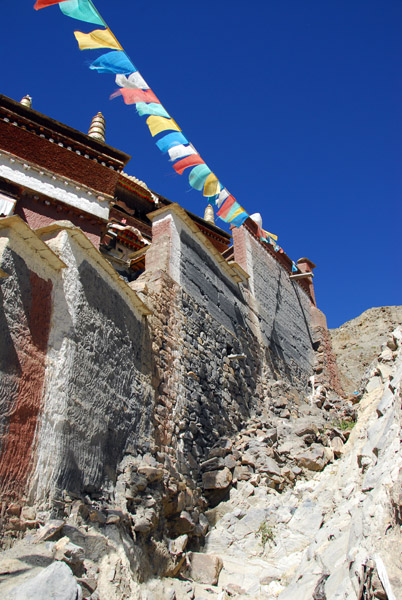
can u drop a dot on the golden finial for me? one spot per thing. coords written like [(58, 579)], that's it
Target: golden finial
[(209, 214), (98, 127), (26, 101)]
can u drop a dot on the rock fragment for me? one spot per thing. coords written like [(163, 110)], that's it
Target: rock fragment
[(204, 568), (56, 582), (213, 480)]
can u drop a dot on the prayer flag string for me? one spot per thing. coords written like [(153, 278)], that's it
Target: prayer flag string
[(134, 90)]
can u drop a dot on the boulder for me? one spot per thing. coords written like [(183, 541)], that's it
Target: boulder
[(268, 465), (213, 480), (28, 513), (14, 509), (230, 461), (49, 530), (71, 554), (213, 464), (183, 524), (303, 429), (223, 450), (56, 582), (151, 473), (178, 545), (337, 446), (313, 459), (204, 568), (142, 525), (242, 473)]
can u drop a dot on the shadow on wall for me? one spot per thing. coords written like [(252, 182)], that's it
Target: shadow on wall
[(297, 292), (110, 399)]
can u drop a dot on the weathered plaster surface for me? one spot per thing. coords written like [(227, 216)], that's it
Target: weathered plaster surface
[(98, 394), (14, 170), (38, 214), (24, 327)]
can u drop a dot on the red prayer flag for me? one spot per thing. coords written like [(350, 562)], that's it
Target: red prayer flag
[(226, 206), (132, 96), (43, 3), (189, 161)]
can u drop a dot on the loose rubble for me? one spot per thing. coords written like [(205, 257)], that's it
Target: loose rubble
[(299, 506)]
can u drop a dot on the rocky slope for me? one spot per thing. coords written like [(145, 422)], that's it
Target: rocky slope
[(357, 343), (305, 503)]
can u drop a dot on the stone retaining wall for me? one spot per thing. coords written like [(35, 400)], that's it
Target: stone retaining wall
[(162, 369)]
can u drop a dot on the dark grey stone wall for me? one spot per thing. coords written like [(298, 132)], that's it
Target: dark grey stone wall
[(275, 308), (204, 281), (284, 311)]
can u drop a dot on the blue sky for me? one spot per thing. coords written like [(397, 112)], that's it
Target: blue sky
[(294, 104)]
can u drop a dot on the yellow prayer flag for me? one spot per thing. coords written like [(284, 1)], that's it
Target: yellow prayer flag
[(99, 38), (211, 187), (158, 124), (271, 235)]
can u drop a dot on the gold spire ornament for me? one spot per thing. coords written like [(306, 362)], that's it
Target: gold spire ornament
[(26, 101), (98, 128), (209, 214)]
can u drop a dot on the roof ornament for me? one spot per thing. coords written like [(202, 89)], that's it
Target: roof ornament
[(26, 101), (209, 214), (98, 128), (256, 217)]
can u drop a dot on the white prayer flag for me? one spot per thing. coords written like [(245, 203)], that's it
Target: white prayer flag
[(134, 81)]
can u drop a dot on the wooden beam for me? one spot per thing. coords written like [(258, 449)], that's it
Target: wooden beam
[(302, 275)]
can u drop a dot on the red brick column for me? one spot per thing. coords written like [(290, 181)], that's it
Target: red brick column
[(306, 266), (157, 257), (240, 246)]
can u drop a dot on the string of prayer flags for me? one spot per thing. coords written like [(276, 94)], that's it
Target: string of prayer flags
[(294, 268), (116, 62), (99, 38), (83, 10), (134, 90)]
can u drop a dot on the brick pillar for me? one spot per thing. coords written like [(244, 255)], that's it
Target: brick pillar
[(306, 266), (240, 246), (158, 255)]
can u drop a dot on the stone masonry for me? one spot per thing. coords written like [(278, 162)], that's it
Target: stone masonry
[(132, 390)]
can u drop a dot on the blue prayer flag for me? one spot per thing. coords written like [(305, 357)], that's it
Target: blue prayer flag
[(239, 220), (170, 140), (115, 62)]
